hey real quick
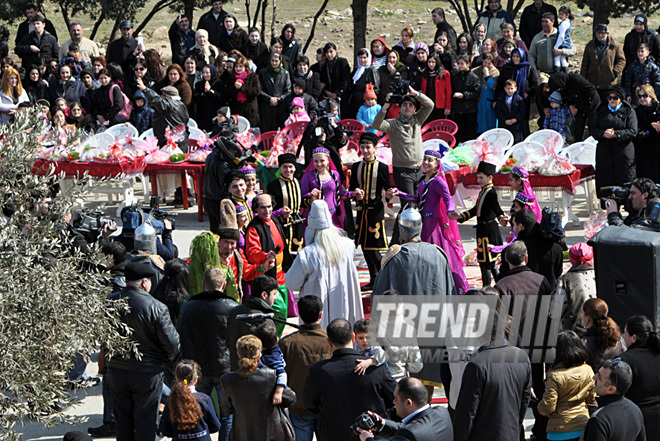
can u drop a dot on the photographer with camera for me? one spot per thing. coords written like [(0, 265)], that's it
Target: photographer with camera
[(420, 421), (637, 194), (132, 218), (405, 133)]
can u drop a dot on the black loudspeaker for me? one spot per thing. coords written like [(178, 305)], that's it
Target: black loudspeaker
[(627, 264)]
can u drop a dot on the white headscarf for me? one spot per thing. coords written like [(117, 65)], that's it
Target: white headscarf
[(360, 68)]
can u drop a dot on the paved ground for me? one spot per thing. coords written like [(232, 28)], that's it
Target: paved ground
[(187, 227)]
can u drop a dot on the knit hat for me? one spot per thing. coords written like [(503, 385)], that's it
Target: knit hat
[(581, 253), (369, 93), (618, 90), (228, 228), (138, 271), (286, 158), (509, 41), (169, 91), (297, 101), (319, 216), (555, 97), (225, 111), (369, 137), (300, 82), (422, 46)]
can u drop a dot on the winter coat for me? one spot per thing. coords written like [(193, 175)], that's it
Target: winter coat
[(102, 105), (444, 26), (203, 325), (441, 86), (152, 330), (277, 85), (311, 106), (517, 111), (336, 75), (639, 74), (180, 42), (366, 115), (215, 27), (645, 388), (573, 289), (293, 50), (37, 91), (615, 157), (72, 90), (386, 78), (24, 29), (254, 51), (466, 83), (509, 72), (206, 105), (354, 94), (170, 113), (530, 21), (250, 400), (234, 41), (647, 157), (141, 117), (48, 49), (185, 91), (250, 108), (567, 393), (604, 72), (492, 21), (7, 104), (540, 55), (576, 91), (597, 355), (119, 50), (313, 85)]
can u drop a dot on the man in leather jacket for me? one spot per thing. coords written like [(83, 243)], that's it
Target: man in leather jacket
[(136, 384)]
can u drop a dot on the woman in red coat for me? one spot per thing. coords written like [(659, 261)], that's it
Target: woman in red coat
[(436, 84)]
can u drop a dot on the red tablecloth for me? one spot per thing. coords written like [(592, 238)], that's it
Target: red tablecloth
[(113, 169), (566, 182)]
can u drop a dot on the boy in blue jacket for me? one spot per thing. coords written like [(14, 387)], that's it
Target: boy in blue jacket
[(368, 111), (142, 114), (510, 111)]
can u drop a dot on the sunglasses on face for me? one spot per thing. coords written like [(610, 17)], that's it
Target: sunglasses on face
[(613, 98), (643, 95), (138, 69)]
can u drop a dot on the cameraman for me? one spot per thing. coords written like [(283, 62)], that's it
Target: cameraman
[(421, 422), (641, 190), (405, 133), (323, 131), (131, 220)]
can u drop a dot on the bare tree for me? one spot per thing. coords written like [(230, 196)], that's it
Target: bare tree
[(468, 13), (316, 19), (359, 8)]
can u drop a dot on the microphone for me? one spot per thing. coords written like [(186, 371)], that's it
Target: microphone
[(254, 316)]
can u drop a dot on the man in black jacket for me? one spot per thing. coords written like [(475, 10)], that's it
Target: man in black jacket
[(617, 417), (182, 38), (495, 392), (641, 191), (338, 394), (39, 46), (421, 422), (545, 256), (264, 292), (170, 112), (136, 384), (438, 17), (641, 33), (530, 20), (203, 326), (122, 47), (26, 26), (214, 22)]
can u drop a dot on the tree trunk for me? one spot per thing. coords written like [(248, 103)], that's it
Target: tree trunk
[(602, 10), (115, 26), (359, 8), (316, 19), (159, 6), (247, 12), (65, 14), (255, 20), (97, 25), (272, 23), (189, 10), (264, 5)]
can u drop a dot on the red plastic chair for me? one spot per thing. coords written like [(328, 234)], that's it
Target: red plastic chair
[(351, 124), (296, 128), (353, 145), (356, 136), (446, 137), (267, 139), (441, 125)]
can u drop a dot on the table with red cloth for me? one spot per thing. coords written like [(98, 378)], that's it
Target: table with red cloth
[(113, 169)]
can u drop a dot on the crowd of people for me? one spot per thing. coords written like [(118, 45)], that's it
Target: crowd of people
[(213, 325)]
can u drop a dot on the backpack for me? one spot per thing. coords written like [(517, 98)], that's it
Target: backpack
[(128, 106), (551, 227)]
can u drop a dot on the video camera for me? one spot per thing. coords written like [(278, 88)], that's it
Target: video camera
[(233, 152), (399, 88), (91, 222), (132, 216), (325, 117), (365, 421), (618, 194)]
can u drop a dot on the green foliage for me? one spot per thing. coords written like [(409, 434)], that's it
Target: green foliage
[(52, 296)]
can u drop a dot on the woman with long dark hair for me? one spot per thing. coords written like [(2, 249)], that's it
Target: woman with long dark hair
[(234, 37), (569, 387), (193, 72), (207, 99), (445, 52), (292, 47), (603, 336), (243, 91), (336, 72), (275, 88), (254, 48), (465, 45), (175, 76), (108, 100), (189, 414), (643, 356), (436, 84), (647, 157), (248, 393), (35, 86), (173, 288)]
